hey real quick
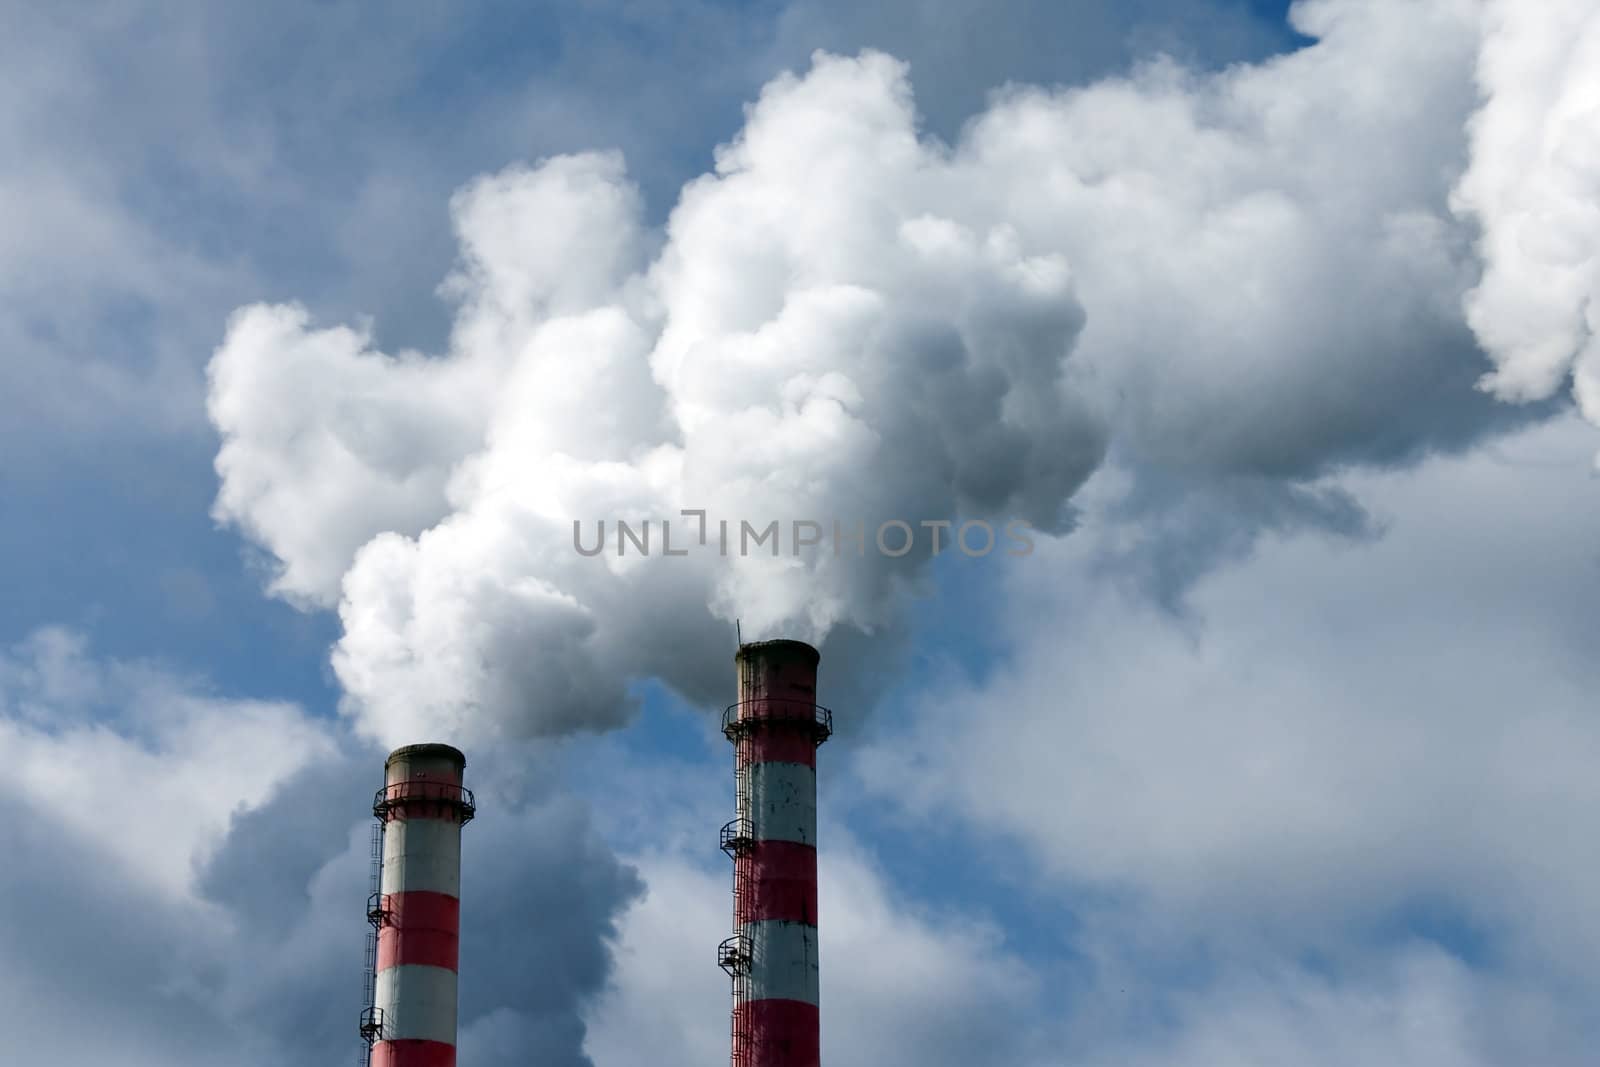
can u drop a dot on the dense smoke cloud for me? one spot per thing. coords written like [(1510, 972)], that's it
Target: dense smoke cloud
[(1534, 186), (832, 331), (1248, 274)]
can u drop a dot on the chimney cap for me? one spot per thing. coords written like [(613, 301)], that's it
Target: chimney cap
[(781, 648), (427, 750)]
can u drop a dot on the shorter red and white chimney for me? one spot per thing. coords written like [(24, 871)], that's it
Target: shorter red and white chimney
[(416, 911)]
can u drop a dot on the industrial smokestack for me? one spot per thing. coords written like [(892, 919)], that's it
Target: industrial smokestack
[(410, 1020), (772, 956)]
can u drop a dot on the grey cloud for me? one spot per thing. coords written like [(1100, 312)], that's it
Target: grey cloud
[(540, 894), (544, 873), (1334, 732), (96, 946), (1180, 529), (263, 869), (205, 900)]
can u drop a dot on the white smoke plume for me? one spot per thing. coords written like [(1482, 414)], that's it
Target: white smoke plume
[(1252, 273), (1534, 187)]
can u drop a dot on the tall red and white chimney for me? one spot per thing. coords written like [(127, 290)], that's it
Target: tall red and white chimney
[(416, 912), (775, 727)]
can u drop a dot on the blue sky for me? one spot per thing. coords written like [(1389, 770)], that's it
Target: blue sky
[(318, 322)]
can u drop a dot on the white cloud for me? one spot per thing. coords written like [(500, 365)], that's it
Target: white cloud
[(667, 1001), (899, 985), (349, 442), (1416, 1006), (906, 984), (154, 785), (1534, 187)]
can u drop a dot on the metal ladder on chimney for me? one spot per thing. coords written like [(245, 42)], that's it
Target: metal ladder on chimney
[(371, 1014), (735, 955)]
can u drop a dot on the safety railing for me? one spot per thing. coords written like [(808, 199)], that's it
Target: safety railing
[(779, 712), (378, 909), (735, 956), (738, 836), (372, 1025), (419, 792)]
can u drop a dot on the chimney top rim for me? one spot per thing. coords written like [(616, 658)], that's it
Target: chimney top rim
[(800, 649), (426, 749)]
